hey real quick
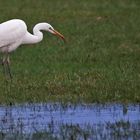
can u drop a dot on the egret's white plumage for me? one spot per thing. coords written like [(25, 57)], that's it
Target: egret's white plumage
[(14, 32)]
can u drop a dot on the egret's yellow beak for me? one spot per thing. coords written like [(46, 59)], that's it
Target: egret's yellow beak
[(59, 35)]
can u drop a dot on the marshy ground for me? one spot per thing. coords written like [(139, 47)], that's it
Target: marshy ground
[(99, 63), (69, 122)]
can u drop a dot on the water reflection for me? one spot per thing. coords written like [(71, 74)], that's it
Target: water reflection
[(67, 121)]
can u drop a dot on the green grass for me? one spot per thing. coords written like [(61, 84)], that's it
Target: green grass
[(99, 63)]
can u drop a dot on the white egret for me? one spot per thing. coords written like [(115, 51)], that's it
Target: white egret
[(14, 32)]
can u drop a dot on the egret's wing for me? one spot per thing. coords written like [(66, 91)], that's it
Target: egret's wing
[(11, 32)]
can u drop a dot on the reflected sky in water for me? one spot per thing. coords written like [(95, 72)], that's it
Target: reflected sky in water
[(67, 121), (34, 118)]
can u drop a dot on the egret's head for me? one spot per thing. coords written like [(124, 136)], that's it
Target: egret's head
[(53, 31)]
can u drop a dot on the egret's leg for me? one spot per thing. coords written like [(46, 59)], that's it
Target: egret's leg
[(8, 66), (1, 60), (4, 65)]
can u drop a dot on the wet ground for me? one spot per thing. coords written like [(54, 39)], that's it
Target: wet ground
[(70, 122)]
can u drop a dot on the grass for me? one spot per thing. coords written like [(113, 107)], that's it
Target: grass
[(99, 63)]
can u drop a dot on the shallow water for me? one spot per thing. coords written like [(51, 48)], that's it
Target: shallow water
[(67, 121)]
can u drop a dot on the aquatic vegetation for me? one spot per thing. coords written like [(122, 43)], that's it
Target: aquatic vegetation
[(59, 121)]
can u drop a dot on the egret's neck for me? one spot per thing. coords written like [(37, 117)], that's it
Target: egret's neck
[(37, 32), (37, 35)]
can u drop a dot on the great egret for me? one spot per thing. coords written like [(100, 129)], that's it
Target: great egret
[(14, 32)]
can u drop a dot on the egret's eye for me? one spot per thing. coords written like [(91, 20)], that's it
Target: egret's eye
[(50, 28)]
